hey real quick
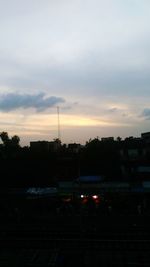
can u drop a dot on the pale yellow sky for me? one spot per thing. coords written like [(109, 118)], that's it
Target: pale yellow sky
[(74, 128)]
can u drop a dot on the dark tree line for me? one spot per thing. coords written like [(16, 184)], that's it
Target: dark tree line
[(20, 166)]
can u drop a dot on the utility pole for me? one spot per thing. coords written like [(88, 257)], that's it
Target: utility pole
[(58, 120)]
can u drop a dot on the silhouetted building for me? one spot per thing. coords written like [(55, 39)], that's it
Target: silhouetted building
[(146, 137), (74, 148), (54, 145), (135, 158), (39, 146), (45, 146)]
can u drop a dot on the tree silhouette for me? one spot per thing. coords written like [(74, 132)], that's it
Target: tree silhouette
[(119, 139), (15, 140), (5, 138), (9, 142)]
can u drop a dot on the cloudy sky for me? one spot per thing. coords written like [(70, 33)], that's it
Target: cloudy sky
[(89, 57)]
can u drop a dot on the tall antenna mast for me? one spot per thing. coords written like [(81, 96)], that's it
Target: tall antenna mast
[(58, 120)]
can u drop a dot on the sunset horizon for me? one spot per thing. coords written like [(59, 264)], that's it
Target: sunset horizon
[(90, 58)]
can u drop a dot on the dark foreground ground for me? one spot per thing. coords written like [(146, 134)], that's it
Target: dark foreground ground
[(75, 240)]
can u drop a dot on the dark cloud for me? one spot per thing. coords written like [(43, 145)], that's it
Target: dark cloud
[(112, 110), (146, 113), (40, 102)]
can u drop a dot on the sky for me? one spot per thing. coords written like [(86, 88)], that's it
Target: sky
[(89, 57)]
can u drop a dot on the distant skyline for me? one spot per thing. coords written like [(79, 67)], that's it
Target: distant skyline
[(89, 57)]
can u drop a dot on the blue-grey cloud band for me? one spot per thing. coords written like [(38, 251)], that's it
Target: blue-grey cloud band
[(39, 102), (146, 113)]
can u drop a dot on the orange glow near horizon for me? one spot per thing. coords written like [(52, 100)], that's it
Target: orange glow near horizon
[(34, 125), (69, 120)]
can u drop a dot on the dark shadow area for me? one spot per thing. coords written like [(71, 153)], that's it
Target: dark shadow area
[(75, 205)]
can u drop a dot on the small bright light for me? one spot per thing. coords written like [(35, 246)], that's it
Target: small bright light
[(95, 197), (82, 196)]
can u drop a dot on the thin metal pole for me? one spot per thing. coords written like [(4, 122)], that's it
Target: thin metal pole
[(58, 118)]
